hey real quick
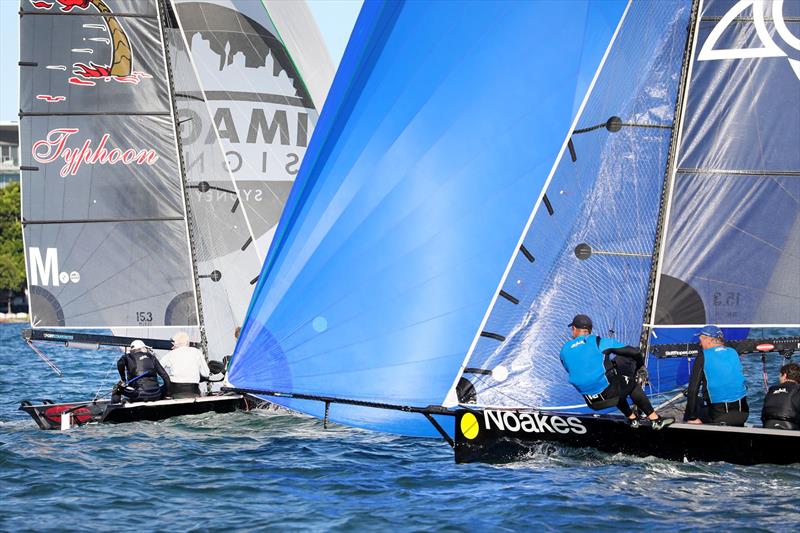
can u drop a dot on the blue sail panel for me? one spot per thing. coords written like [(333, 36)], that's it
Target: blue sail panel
[(589, 246), (732, 249), (439, 131)]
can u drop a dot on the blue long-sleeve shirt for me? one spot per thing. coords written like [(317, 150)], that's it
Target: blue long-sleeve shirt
[(584, 361)]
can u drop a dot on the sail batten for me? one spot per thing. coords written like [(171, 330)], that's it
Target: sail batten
[(451, 398)]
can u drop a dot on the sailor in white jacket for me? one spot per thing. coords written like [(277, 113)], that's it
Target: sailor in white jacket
[(186, 367)]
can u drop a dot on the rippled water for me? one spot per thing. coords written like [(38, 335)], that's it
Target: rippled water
[(271, 471)]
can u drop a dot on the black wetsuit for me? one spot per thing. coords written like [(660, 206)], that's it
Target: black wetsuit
[(146, 387), (782, 406), (732, 413), (621, 375)]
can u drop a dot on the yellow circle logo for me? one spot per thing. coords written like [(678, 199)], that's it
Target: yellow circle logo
[(469, 426)]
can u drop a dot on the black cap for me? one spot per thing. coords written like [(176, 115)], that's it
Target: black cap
[(581, 322)]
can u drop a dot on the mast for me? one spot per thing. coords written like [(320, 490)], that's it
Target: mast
[(669, 173), (163, 7)]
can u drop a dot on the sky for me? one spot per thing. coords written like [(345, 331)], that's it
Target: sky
[(335, 19)]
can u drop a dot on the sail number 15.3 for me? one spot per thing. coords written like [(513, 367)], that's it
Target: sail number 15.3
[(144, 318)]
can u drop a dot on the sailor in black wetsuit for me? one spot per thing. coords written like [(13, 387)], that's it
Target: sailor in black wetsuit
[(718, 369), (138, 369), (782, 403)]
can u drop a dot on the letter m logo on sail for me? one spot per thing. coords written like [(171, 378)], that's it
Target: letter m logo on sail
[(45, 270)]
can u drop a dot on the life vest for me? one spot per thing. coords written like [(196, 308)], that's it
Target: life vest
[(780, 402), (140, 363)]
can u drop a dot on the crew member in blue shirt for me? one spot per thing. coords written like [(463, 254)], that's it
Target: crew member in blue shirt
[(604, 372), (718, 369)]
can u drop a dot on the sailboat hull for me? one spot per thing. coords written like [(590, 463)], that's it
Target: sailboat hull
[(49, 415), (495, 436)]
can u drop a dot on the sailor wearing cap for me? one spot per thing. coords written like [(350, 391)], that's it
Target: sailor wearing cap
[(138, 369), (718, 369), (603, 370)]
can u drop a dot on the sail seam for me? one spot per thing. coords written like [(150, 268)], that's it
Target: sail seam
[(676, 326), (738, 172), (23, 13), (100, 220), (93, 113), (450, 398), (747, 19)]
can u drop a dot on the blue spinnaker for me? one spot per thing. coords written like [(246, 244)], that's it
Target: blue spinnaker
[(441, 127)]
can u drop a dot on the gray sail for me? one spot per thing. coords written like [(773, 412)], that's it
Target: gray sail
[(261, 106), (226, 258), (105, 227), (732, 246)]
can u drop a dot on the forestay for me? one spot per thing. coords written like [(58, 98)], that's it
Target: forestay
[(261, 106), (442, 124), (221, 231), (103, 204), (732, 246), (588, 247)]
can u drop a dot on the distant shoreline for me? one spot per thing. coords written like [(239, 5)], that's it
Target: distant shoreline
[(13, 318)]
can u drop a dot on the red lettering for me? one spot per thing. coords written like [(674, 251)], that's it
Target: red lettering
[(101, 154), (48, 150), (54, 147), (128, 156)]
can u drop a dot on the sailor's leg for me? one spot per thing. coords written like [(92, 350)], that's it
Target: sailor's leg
[(641, 400), (623, 406), (625, 384)]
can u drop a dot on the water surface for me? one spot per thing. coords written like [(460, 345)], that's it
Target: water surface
[(274, 471)]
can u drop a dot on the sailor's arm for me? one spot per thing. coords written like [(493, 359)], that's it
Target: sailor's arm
[(162, 372), (204, 372), (694, 390), (627, 351), (121, 367)]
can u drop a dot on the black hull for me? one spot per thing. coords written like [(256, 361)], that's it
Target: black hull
[(48, 415), (506, 436)]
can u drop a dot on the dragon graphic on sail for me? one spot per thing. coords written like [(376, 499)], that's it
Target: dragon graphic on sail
[(120, 68)]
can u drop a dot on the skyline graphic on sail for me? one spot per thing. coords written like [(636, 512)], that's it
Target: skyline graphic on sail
[(429, 154), (262, 109)]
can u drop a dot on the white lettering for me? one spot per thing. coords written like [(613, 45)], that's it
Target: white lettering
[(559, 424), (528, 424), (511, 420), (44, 271), (532, 422), (496, 416), (577, 425), (542, 423)]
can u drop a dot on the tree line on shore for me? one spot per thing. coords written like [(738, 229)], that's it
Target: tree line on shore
[(12, 254)]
